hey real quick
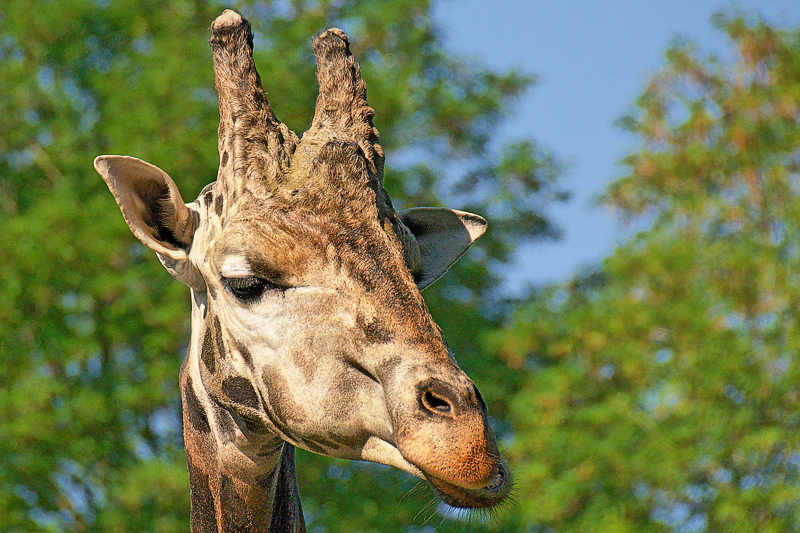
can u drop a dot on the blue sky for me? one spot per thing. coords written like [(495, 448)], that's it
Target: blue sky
[(592, 60)]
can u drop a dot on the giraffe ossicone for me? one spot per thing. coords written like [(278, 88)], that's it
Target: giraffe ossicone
[(308, 326)]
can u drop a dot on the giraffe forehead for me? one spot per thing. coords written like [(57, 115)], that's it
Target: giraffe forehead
[(285, 240), (253, 247)]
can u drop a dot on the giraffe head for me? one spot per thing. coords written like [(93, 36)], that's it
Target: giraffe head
[(308, 323)]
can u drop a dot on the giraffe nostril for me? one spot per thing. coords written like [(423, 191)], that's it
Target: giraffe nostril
[(439, 399), (435, 403)]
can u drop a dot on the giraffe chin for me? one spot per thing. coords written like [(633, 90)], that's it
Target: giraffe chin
[(498, 488), (491, 494)]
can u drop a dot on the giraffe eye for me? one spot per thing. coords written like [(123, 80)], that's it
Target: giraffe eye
[(248, 289)]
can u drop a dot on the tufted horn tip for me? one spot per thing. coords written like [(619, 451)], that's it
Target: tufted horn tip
[(249, 131), (227, 21), (331, 38), (342, 102), (231, 31), (338, 73)]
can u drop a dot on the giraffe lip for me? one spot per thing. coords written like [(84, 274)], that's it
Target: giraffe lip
[(497, 482), (495, 491), (492, 493)]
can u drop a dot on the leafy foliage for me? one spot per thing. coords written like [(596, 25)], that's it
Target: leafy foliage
[(662, 389), (92, 330)]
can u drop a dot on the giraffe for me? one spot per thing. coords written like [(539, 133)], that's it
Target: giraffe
[(308, 328)]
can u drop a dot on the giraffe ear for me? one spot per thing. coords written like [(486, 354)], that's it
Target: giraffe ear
[(443, 235), (152, 206)]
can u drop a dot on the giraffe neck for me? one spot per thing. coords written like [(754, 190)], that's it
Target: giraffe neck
[(237, 485), (225, 496)]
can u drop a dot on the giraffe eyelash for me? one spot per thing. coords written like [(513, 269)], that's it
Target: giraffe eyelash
[(249, 289)]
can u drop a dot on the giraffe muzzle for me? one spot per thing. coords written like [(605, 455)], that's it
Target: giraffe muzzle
[(495, 491), (447, 437)]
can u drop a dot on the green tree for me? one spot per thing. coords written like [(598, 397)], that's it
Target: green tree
[(92, 330), (662, 388)]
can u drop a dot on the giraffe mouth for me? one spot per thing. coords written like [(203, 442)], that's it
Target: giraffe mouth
[(495, 491), (485, 497)]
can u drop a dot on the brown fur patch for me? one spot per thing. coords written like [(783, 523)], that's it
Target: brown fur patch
[(219, 344), (242, 349), (305, 361), (203, 515), (374, 332), (280, 398), (235, 515), (195, 413), (226, 426), (208, 352), (240, 391)]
